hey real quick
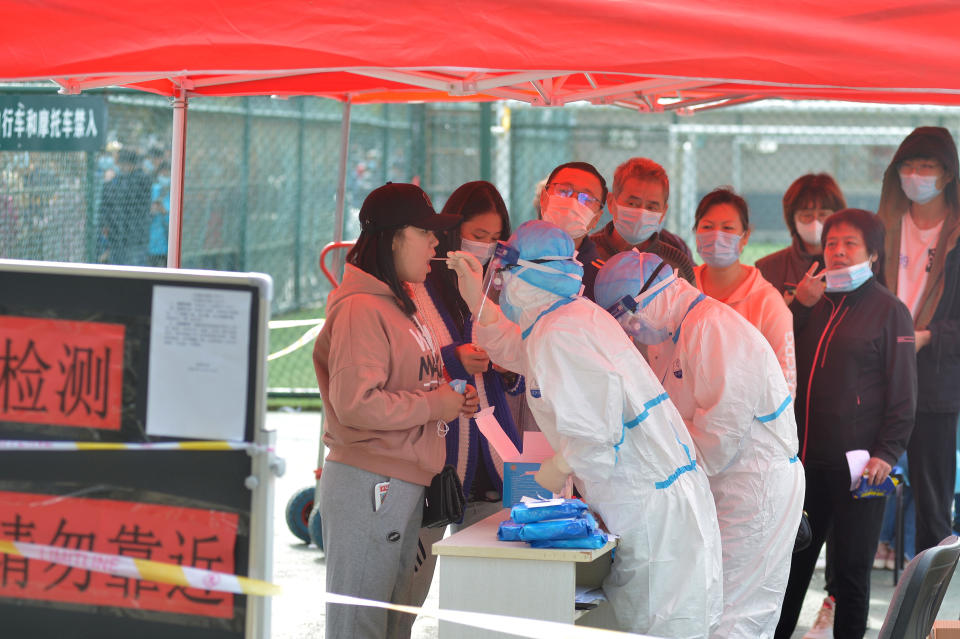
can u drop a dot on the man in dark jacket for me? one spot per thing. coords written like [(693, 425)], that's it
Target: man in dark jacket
[(125, 212), (920, 208), (572, 199), (638, 204)]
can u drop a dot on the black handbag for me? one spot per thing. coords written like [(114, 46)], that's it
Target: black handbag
[(444, 500), (804, 534)]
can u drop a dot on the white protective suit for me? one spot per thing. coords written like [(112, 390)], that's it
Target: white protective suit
[(602, 409), (725, 380)]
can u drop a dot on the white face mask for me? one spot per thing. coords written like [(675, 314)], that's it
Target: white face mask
[(569, 214), (919, 188), (483, 251), (635, 225), (810, 232)]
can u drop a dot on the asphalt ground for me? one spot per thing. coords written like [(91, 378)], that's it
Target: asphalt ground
[(300, 570)]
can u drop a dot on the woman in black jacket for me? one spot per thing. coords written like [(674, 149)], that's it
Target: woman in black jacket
[(856, 389)]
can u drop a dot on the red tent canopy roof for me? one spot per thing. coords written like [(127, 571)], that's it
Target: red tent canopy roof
[(643, 54)]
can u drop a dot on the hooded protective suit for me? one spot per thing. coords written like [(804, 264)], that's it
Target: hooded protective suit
[(612, 424), (730, 390)]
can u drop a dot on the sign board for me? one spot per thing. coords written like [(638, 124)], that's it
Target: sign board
[(52, 123), (100, 354)]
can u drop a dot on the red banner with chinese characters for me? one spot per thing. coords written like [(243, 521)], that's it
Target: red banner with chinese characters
[(185, 536), (61, 372)]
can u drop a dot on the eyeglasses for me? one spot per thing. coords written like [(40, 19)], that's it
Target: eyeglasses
[(566, 190), (809, 215)]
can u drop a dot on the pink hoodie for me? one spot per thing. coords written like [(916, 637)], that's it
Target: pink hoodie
[(376, 367), (762, 305)]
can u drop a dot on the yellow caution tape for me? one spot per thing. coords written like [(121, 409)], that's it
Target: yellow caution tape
[(10, 444), (145, 569)]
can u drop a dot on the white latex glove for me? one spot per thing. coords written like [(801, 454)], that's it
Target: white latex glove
[(553, 474), (469, 277)]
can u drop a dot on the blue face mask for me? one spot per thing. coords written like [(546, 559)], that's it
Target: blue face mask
[(718, 249), (919, 188), (850, 278), (636, 225)]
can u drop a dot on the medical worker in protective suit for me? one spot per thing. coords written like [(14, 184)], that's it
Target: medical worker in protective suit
[(725, 380), (612, 427)]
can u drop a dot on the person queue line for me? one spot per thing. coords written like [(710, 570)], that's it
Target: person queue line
[(699, 410)]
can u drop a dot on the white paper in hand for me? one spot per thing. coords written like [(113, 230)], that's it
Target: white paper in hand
[(492, 430), (857, 461)]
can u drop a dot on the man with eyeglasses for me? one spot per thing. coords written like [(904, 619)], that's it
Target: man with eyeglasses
[(638, 205), (573, 200)]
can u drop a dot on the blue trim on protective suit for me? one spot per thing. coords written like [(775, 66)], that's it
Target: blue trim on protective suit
[(772, 416), (636, 421), (794, 459), (651, 403), (646, 410), (676, 336), (553, 307), (660, 485)]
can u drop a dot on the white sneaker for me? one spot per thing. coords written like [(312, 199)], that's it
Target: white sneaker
[(822, 627)]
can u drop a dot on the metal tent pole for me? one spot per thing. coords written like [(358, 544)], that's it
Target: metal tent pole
[(342, 184), (178, 153)]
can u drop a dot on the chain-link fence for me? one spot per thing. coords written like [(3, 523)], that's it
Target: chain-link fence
[(261, 176)]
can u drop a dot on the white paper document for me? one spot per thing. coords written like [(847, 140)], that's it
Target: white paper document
[(589, 594), (533, 502), (857, 461), (495, 435), (199, 360)]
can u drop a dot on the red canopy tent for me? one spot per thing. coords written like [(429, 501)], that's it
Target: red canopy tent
[(648, 55)]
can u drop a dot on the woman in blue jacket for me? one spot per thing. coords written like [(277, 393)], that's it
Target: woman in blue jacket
[(484, 221)]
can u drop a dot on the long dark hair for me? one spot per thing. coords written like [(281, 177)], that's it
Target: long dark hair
[(869, 226), (373, 254), (468, 201)]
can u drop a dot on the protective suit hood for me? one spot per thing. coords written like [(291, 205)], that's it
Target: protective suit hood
[(660, 307), (523, 302), (668, 309), (538, 239)]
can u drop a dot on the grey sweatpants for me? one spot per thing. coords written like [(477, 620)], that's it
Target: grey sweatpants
[(426, 561), (368, 554)]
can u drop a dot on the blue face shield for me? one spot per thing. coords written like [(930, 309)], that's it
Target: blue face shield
[(626, 310), (507, 263)]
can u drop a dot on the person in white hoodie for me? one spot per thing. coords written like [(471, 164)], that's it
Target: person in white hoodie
[(722, 225), (611, 425), (724, 379)]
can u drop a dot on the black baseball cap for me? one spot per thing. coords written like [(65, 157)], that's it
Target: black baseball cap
[(395, 205)]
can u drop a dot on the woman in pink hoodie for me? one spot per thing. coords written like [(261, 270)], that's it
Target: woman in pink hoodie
[(722, 225), (385, 401)]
